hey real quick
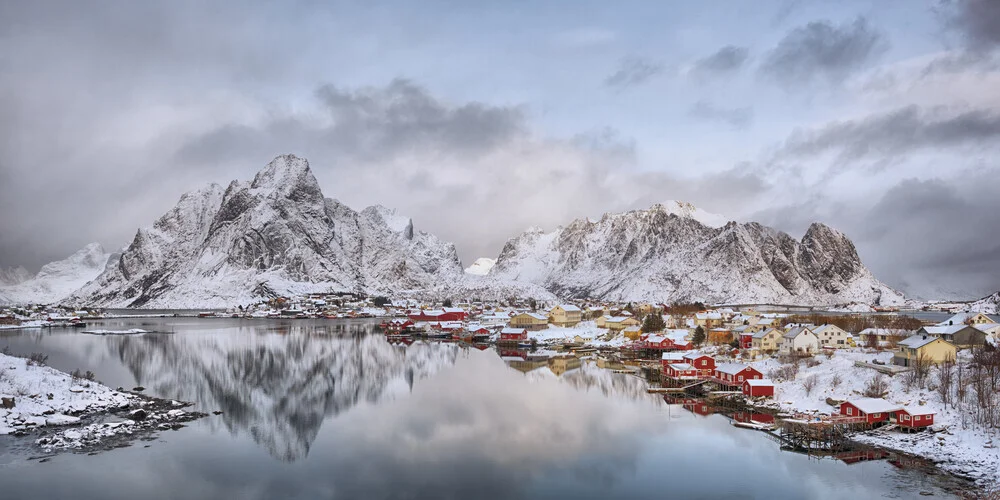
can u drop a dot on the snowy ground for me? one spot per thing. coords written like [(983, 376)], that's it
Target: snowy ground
[(44, 398), (966, 452), (587, 330), (130, 331)]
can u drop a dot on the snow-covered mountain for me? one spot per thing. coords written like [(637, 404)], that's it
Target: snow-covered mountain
[(666, 254), (56, 280), (481, 267), (13, 275), (275, 235), (986, 305)]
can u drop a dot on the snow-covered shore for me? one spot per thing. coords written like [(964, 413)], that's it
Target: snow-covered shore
[(967, 452), (36, 397), (585, 330)]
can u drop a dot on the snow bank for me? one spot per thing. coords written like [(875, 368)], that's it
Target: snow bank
[(130, 331), (44, 396)]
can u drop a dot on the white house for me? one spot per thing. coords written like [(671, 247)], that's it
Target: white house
[(799, 340), (833, 336)]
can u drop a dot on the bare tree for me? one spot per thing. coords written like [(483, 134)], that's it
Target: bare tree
[(876, 387), (835, 381), (945, 378), (810, 383)]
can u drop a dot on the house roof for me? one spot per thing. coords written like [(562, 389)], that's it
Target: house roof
[(822, 328), (917, 341), (513, 330), (945, 330), (672, 356), (731, 368), (680, 366), (695, 355), (569, 307), (795, 332), (759, 382), (873, 405), (763, 333), (959, 319), (633, 329), (986, 327), (536, 315), (916, 410)]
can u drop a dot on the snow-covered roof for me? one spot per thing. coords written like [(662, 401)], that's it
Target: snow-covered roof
[(873, 405), (616, 319), (680, 366), (694, 355), (453, 309), (917, 410), (958, 319), (512, 330), (536, 315), (795, 332), (631, 329), (569, 308), (763, 333), (672, 356), (823, 328), (708, 315), (917, 341), (987, 327), (760, 382), (945, 330), (731, 368), (653, 338)]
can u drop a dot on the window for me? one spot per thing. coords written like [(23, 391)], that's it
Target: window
[(877, 415), (850, 411), (907, 417), (741, 378)]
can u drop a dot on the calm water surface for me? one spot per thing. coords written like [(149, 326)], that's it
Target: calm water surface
[(327, 409)]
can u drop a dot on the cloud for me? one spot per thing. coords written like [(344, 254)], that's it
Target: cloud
[(904, 130), (725, 61), (738, 118), (632, 71), (584, 37), (822, 51), (978, 21)]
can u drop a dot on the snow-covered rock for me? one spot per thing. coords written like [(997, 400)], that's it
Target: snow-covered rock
[(13, 275), (481, 267), (986, 305), (56, 280), (667, 254), (276, 235)]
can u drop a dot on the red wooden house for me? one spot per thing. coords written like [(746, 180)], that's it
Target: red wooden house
[(513, 335), (681, 371), (444, 314), (913, 418), (733, 374), (746, 340), (669, 358), (868, 410), (704, 363), (758, 388)]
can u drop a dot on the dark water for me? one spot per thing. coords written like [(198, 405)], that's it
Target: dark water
[(325, 409)]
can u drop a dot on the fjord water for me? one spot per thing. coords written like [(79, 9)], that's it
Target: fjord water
[(329, 409)]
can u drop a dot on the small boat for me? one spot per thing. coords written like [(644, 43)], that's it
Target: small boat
[(524, 344)]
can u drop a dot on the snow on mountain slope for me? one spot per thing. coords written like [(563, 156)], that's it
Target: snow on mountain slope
[(58, 279), (986, 305), (276, 235), (481, 267), (657, 254), (13, 275)]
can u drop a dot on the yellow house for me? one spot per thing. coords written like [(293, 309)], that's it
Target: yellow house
[(619, 323), (768, 340), (932, 349), (565, 315), (632, 332), (968, 318), (531, 321)]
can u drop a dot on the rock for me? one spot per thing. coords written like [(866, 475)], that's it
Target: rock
[(833, 402), (138, 415), (76, 388), (175, 413), (138, 388), (50, 396), (7, 402)]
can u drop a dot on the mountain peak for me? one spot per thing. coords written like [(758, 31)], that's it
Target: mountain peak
[(688, 210), (286, 173)]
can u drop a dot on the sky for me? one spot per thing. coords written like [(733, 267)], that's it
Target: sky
[(481, 119)]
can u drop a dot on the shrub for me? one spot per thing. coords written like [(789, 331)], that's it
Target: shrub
[(835, 381), (37, 359), (876, 387), (812, 362), (87, 375), (810, 383)]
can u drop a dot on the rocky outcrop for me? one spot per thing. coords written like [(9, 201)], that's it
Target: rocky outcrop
[(662, 254)]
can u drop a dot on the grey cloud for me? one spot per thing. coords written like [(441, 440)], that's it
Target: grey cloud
[(978, 21), (633, 71), (725, 61), (822, 51), (738, 118), (904, 130)]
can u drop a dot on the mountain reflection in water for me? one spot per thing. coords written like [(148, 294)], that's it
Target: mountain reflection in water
[(278, 387)]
